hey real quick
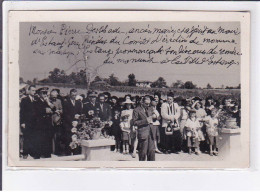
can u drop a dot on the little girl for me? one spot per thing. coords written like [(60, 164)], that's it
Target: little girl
[(192, 127), (125, 128), (211, 122)]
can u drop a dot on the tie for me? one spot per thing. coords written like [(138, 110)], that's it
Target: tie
[(146, 111)]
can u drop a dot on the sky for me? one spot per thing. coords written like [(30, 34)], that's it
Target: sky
[(38, 66)]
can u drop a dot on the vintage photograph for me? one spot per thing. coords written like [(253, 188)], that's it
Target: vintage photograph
[(102, 89)]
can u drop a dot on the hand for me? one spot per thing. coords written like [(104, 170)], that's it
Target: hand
[(48, 110), (149, 120), (46, 99), (23, 125), (77, 116), (154, 116)]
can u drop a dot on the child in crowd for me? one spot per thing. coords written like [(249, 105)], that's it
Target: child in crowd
[(116, 130), (155, 127), (192, 127), (125, 128), (211, 122)]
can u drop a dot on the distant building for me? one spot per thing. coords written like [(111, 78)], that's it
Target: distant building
[(144, 84)]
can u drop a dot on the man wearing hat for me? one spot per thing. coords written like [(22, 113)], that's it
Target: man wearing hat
[(43, 124), (71, 110), (90, 108)]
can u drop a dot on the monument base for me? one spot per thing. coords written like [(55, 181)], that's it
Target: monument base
[(97, 150), (231, 145)]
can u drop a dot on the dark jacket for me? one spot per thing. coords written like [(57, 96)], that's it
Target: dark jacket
[(140, 120), (88, 107), (27, 112), (43, 120), (105, 113), (70, 110)]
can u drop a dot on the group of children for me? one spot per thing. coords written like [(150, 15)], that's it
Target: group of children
[(194, 135), (196, 125)]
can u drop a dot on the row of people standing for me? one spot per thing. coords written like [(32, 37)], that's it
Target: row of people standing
[(138, 123)]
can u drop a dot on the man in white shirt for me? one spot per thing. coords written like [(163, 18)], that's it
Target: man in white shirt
[(170, 113)]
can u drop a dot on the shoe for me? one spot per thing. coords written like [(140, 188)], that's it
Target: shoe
[(211, 153), (197, 153), (133, 155), (215, 153), (124, 152), (25, 156), (158, 151)]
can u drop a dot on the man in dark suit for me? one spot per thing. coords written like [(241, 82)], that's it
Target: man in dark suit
[(104, 108), (43, 110), (72, 109), (90, 108), (105, 114), (142, 118), (27, 121)]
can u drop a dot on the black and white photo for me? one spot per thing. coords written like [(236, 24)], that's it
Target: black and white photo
[(115, 89)]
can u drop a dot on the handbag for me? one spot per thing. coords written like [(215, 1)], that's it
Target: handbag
[(172, 126)]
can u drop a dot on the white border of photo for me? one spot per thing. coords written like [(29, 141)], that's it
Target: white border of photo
[(136, 178)]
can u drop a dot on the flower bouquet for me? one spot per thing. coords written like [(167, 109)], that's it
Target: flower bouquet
[(87, 129), (226, 120)]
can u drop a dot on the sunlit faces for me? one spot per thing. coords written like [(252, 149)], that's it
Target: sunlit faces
[(102, 99), (31, 91), (73, 95), (169, 99)]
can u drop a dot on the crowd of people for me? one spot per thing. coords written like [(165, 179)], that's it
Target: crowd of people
[(142, 125)]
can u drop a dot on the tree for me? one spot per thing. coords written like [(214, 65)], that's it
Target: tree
[(97, 79), (113, 81), (209, 86), (159, 83), (21, 80), (54, 76), (29, 82), (131, 80), (35, 80), (177, 84), (189, 85)]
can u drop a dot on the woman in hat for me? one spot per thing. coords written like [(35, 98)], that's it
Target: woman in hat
[(128, 110)]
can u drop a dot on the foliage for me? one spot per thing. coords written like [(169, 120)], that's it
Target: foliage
[(178, 84), (21, 80), (131, 80), (113, 81), (159, 83), (189, 85), (209, 86)]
